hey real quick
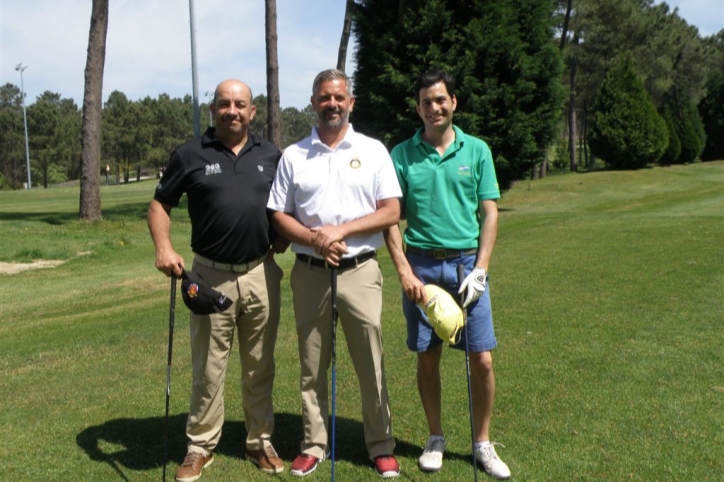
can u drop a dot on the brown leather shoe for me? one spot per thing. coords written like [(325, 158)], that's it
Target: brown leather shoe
[(190, 469), (267, 460)]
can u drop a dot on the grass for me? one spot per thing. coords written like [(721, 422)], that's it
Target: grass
[(607, 296)]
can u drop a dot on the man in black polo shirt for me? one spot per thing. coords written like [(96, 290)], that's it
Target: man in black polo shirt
[(226, 174)]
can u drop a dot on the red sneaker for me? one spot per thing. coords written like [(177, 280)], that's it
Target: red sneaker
[(304, 464), (386, 466)]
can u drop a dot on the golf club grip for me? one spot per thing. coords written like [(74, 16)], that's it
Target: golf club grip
[(171, 317)]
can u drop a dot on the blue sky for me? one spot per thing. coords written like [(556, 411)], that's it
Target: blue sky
[(148, 44)]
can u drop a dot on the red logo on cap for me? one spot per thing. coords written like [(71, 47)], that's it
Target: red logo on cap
[(193, 290)]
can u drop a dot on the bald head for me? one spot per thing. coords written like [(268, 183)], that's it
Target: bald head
[(233, 111), (232, 84)]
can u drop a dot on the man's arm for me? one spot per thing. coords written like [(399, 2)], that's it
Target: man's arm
[(387, 214), (488, 232), (411, 284), (168, 260)]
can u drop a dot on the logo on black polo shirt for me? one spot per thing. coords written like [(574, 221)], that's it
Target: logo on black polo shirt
[(213, 169), (261, 168)]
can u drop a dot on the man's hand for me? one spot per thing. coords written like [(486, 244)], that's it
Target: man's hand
[(169, 262), (413, 288), (335, 252), (474, 283), (324, 237)]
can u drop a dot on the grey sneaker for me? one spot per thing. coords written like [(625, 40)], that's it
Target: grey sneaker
[(491, 463), (431, 458)]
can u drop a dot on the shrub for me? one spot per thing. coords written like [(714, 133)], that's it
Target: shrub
[(673, 149), (712, 115), (625, 129)]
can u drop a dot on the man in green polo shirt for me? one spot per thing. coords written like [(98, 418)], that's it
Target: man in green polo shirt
[(449, 193)]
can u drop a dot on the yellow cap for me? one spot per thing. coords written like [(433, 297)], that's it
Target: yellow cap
[(443, 313)]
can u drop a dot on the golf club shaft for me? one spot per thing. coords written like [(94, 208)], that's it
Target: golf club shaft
[(171, 316), (333, 296), (461, 277)]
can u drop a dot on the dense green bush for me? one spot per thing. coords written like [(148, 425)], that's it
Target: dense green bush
[(625, 129), (685, 131), (673, 149), (712, 115)]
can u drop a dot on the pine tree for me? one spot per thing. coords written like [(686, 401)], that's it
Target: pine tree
[(673, 148), (501, 53), (625, 129)]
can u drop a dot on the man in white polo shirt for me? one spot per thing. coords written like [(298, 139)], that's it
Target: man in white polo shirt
[(333, 195)]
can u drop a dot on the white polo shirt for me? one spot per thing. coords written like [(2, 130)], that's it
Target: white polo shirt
[(322, 186)]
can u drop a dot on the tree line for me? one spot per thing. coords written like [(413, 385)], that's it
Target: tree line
[(137, 135), (549, 84)]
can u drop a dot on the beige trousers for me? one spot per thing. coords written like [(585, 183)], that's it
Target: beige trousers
[(359, 304), (254, 315)]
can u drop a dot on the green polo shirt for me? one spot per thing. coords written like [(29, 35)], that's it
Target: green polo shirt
[(441, 195)]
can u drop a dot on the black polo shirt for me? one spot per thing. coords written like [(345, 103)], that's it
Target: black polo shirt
[(227, 195)]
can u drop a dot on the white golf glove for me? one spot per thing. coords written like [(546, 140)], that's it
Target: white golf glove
[(475, 285)]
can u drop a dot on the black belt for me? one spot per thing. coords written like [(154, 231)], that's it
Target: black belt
[(344, 263), (441, 253)]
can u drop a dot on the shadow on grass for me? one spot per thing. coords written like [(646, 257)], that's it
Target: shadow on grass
[(137, 444)]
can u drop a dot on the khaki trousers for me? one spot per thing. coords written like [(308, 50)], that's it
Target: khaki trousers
[(254, 315), (359, 304)]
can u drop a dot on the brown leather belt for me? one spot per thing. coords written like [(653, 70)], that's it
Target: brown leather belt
[(344, 263), (441, 253), (235, 268)]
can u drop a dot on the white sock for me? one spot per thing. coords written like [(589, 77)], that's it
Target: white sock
[(479, 445)]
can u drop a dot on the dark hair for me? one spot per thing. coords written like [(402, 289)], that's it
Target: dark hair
[(432, 77)]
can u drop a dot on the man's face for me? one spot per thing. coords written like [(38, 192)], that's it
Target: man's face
[(332, 104), (435, 106), (233, 110)]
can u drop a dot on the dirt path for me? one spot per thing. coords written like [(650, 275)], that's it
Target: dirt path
[(15, 268)]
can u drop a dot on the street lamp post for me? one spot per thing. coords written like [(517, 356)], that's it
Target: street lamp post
[(20, 68)]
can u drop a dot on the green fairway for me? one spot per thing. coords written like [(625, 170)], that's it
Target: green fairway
[(608, 300)]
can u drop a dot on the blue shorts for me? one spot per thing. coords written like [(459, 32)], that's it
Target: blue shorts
[(443, 273)]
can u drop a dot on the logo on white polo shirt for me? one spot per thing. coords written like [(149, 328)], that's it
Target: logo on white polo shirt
[(355, 163), (213, 169)]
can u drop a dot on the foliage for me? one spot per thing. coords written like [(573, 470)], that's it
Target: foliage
[(12, 137), (625, 129), (673, 148), (54, 137), (501, 53), (296, 124), (689, 129), (712, 114), (667, 53)]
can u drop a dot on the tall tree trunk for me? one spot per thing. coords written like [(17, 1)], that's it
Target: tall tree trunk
[(90, 190), (572, 110), (344, 41), (272, 75), (566, 19)]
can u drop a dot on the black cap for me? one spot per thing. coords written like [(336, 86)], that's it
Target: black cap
[(200, 298)]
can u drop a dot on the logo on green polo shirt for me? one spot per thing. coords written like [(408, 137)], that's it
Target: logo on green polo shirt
[(464, 171)]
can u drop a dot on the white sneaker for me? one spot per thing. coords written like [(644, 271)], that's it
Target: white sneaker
[(431, 458), (491, 463)]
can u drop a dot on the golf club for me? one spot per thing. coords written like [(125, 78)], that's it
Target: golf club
[(461, 277), (334, 364), (171, 315)]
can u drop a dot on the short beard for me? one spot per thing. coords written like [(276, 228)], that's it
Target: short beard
[(335, 125)]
